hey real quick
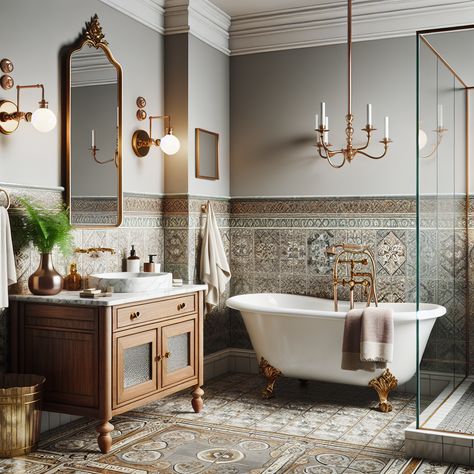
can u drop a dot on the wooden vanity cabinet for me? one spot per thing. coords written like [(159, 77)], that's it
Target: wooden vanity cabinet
[(100, 361)]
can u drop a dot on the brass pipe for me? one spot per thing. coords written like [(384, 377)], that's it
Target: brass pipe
[(349, 58)]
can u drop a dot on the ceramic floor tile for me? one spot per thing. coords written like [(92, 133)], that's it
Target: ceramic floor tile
[(320, 428)]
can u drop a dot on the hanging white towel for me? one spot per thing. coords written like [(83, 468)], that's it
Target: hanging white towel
[(7, 258), (214, 267)]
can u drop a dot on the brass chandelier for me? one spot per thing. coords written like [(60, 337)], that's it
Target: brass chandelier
[(349, 152)]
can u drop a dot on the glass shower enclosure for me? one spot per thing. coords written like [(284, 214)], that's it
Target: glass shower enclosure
[(445, 83)]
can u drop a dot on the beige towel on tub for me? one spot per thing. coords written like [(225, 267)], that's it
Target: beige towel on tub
[(214, 267), (368, 339), (7, 258)]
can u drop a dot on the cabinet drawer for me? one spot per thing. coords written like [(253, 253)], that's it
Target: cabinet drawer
[(148, 312), (61, 317)]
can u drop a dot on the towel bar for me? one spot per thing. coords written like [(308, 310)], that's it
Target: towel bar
[(8, 198)]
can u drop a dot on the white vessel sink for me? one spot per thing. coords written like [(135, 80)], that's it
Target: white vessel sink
[(128, 282)]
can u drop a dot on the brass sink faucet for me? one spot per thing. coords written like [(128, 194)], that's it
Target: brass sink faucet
[(94, 251), (346, 254)]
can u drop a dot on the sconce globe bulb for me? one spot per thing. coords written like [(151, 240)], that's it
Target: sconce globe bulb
[(43, 120), (170, 144), (422, 139)]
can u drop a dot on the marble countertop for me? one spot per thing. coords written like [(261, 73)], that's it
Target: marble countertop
[(72, 297)]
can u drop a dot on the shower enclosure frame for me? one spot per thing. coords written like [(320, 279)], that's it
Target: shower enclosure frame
[(421, 38)]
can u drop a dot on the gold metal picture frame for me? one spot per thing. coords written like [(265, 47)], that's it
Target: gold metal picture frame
[(207, 154)]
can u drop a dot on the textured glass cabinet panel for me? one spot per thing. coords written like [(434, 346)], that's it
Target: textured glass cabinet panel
[(137, 365), (178, 346)]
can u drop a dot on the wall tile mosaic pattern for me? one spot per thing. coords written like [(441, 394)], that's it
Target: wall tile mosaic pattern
[(277, 245)]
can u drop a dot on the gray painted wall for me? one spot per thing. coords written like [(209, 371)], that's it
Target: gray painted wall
[(274, 97), (29, 157), (197, 96), (88, 177), (209, 108), (176, 105)]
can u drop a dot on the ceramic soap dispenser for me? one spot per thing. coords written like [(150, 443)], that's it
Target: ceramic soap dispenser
[(133, 261)]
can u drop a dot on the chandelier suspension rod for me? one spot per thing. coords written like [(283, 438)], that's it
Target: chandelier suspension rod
[(349, 57)]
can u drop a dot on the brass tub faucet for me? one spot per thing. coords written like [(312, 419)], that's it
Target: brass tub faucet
[(354, 256)]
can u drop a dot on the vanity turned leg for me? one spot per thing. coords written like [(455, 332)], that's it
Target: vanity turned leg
[(197, 402), (383, 385), (104, 440), (271, 374)]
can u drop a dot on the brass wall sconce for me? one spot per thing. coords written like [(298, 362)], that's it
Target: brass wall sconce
[(440, 130), (93, 149), (43, 119), (142, 140)]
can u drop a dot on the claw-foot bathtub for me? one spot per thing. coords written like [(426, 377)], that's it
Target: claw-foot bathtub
[(301, 336)]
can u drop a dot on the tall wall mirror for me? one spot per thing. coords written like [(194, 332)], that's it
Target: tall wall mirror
[(93, 131), (207, 154)]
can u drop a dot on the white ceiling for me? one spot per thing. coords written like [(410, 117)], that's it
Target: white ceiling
[(251, 7)]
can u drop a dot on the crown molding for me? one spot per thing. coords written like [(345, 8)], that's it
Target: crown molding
[(202, 19), (150, 13), (92, 68), (318, 25), (326, 23)]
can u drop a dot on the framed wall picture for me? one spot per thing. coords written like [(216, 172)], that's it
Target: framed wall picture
[(207, 154)]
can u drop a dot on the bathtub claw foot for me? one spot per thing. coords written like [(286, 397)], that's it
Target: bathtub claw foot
[(271, 374), (383, 385)]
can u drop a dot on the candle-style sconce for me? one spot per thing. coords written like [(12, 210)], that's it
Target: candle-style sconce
[(142, 140), (440, 130), (93, 149)]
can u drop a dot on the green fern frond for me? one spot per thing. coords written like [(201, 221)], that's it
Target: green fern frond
[(47, 229)]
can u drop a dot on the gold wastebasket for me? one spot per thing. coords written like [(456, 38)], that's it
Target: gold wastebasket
[(20, 413)]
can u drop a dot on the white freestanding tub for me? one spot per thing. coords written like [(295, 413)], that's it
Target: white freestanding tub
[(302, 335)]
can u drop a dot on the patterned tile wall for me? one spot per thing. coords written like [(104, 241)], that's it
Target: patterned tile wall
[(278, 246), (142, 226), (183, 225)]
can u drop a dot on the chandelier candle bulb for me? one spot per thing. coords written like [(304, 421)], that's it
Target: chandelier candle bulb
[(440, 116), (316, 121), (323, 111), (93, 138), (386, 135), (369, 115), (326, 127)]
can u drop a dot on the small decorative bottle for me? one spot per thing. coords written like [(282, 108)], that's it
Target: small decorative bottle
[(73, 281)]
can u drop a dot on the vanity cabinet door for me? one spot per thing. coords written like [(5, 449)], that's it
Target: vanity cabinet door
[(178, 352), (136, 365)]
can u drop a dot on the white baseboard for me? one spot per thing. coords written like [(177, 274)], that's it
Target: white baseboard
[(245, 361)]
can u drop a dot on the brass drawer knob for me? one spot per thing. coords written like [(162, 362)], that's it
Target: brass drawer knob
[(135, 315), (158, 358), (167, 355), (181, 306)]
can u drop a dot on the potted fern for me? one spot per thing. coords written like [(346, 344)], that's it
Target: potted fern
[(46, 229)]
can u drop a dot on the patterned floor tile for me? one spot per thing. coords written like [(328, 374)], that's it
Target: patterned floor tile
[(312, 428)]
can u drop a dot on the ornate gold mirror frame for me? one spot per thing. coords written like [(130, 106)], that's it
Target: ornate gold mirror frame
[(92, 35)]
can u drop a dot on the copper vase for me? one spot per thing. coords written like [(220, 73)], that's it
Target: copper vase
[(46, 280)]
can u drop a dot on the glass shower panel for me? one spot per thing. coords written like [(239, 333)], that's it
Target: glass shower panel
[(441, 225)]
